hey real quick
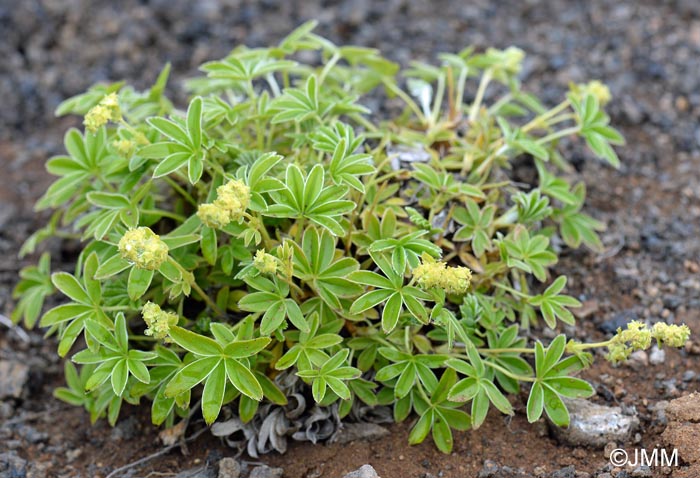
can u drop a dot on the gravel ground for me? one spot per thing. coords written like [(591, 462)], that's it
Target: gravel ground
[(648, 52)]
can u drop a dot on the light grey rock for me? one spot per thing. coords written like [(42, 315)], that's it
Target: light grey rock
[(365, 471), (13, 377), (12, 466), (266, 472), (198, 472), (657, 356), (595, 425), (229, 468)]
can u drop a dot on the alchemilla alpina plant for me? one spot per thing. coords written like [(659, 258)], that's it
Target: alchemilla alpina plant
[(278, 227)]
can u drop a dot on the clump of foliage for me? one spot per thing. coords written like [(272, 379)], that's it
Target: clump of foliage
[(279, 224)]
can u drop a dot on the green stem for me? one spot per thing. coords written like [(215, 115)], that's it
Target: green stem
[(193, 283), (505, 371), (180, 190), (476, 104), (511, 290), (406, 98), (541, 120), (559, 134)]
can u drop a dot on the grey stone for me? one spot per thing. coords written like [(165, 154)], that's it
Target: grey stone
[(489, 469), (13, 377), (657, 356), (229, 468), (12, 466), (595, 425), (568, 472), (266, 472), (198, 472), (642, 472), (365, 471)]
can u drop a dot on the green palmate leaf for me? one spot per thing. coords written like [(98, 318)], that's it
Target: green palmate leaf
[(308, 198), (530, 254), (554, 305), (316, 263)]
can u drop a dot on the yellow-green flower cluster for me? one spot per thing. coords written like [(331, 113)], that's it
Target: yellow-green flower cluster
[(105, 111), (595, 88), (264, 262), (637, 336), (143, 248), (671, 335), (453, 280), (124, 146), (231, 203), (157, 320)]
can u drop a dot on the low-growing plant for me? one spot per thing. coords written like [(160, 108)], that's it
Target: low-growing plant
[(382, 255)]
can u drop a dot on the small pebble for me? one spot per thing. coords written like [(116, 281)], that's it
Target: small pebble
[(657, 356)]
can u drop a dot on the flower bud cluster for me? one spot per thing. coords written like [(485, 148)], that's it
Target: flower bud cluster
[(637, 336), (157, 320), (594, 88), (453, 280), (231, 203), (143, 248), (105, 111), (264, 262)]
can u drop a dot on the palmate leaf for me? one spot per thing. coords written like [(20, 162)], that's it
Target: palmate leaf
[(595, 128), (476, 225), (332, 375), (245, 66), (271, 300), (215, 364), (320, 265), (32, 289), (439, 414), (309, 198), (297, 104), (552, 382), (554, 305), (183, 145), (391, 291), (577, 227), (530, 254)]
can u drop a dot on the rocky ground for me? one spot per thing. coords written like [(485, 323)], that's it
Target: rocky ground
[(647, 51)]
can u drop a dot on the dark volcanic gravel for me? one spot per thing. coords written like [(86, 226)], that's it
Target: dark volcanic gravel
[(647, 51)]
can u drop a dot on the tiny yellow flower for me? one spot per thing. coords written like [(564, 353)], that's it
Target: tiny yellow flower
[(97, 117), (143, 248), (111, 102), (123, 146), (671, 335), (453, 280), (157, 320), (618, 352), (637, 335), (595, 88), (105, 111), (213, 215), (233, 198), (264, 262)]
